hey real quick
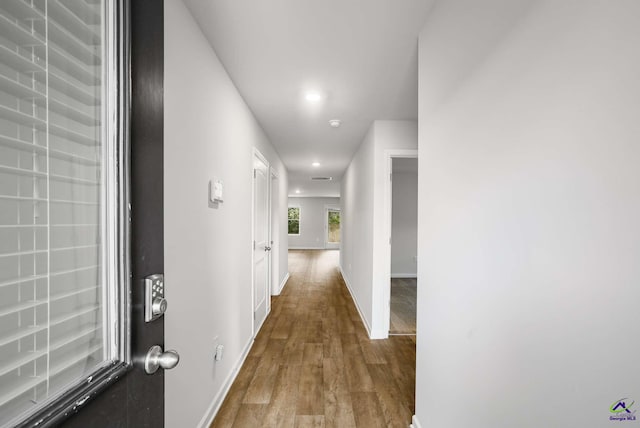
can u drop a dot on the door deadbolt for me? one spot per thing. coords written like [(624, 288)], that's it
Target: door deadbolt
[(159, 306)]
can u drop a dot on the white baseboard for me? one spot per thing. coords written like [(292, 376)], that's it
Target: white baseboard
[(282, 284), (379, 334), (404, 275), (212, 411), (355, 301), (255, 333), (306, 248), (415, 423)]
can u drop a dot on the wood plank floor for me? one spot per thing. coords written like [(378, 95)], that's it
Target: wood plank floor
[(312, 364), (403, 306)]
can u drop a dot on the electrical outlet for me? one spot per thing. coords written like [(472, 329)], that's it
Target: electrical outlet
[(215, 347), (219, 351)]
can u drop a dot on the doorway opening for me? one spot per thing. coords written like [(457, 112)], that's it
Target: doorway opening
[(403, 245), (332, 227)]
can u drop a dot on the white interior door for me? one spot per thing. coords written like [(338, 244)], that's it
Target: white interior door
[(261, 244)]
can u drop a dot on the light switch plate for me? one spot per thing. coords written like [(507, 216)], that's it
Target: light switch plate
[(215, 190)]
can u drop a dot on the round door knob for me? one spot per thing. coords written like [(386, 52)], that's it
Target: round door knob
[(159, 306), (156, 358)]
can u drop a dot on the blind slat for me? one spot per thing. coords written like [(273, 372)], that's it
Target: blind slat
[(18, 34), (86, 11), (23, 253), (75, 248), (72, 293), (23, 279), (22, 118), (58, 154), (72, 89), (11, 389), (22, 172), (15, 143), (25, 358), (21, 333), (78, 358), (18, 307), (72, 135), (22, 198), (19, 62), (66, 17), (71, 113), (74, 47), (79, 203), (74, 337), (17, 89), (66, 63), (84, 310), (21, 10), (73, 179)]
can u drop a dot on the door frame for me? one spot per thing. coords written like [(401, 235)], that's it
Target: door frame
[(331, 245), (274, 238), (257, 154), (389, 155)]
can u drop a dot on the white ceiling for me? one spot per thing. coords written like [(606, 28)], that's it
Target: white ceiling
[(360, 55)]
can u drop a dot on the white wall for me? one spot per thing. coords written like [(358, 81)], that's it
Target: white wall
[(312, 222), (209, 131), (356, 216), (404, 224), (362, 259), (529, 238), (390, 135)]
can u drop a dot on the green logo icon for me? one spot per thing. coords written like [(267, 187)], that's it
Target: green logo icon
[(621, 406)]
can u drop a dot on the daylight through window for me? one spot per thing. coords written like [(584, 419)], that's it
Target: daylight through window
[(294, 220)]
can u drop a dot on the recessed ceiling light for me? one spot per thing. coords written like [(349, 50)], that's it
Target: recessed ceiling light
[(297, 190), (335, 123), (316, 164), (313, 97)]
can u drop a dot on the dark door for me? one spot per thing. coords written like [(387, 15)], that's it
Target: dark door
[(137, 399)]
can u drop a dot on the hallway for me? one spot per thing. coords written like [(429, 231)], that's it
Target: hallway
[(312, 363)]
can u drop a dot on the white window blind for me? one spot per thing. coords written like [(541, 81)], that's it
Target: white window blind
[(52, 297)]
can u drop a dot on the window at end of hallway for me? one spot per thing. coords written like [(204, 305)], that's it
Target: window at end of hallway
[(294, 221)]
